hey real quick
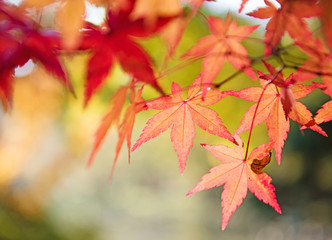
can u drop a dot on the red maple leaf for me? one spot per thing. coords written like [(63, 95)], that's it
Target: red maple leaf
[(223, 43), (289, 17), (115, 42), (319, 63), (276, 101), (113, 117), (237, 175), (22, 39), (181, 115)]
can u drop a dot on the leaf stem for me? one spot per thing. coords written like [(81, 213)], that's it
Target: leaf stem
[(256, 109), (253, 119)]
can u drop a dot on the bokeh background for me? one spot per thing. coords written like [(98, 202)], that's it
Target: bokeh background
[(46, 191)]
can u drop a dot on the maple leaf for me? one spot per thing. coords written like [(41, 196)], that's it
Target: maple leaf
[(125, 129), (223, 43), (21, 40), (325, 113), (319, 63), (112, 118), (69, 11), (276, 102), (181, 115), (243, 3), (173, 31), (289, 17), (151, 10), (237, 175), (327, 21), (115, 42)]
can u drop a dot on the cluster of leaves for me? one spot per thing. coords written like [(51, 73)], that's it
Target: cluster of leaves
[(116, 40)]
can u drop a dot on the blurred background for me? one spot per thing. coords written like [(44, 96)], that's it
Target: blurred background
[(46, 191)]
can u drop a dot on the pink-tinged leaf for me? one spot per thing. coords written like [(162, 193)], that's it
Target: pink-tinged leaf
[(195, 87), (236, 173), (208, 120), (211, 67), (249, 94), (276, 103), (156, 125), (278, 127), (181, 115), (226, 154), (217, 176), (262, 112), (177, 92), (235, 190), (182, 135), (222, 44), (219, 27), (240, 32), (173, 31), (261, 151), (204, 46), (212, 96), (260, 185)]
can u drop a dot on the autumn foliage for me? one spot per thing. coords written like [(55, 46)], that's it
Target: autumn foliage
[(274, 94)]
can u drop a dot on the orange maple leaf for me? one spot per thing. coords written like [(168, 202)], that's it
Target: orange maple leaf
[(125, 130), (236, 173), (276, 101), (325, 113), (181, 115), (289, 17), (151, 10), (223, 43), (112, 118), (243, 3), (173, 31)]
